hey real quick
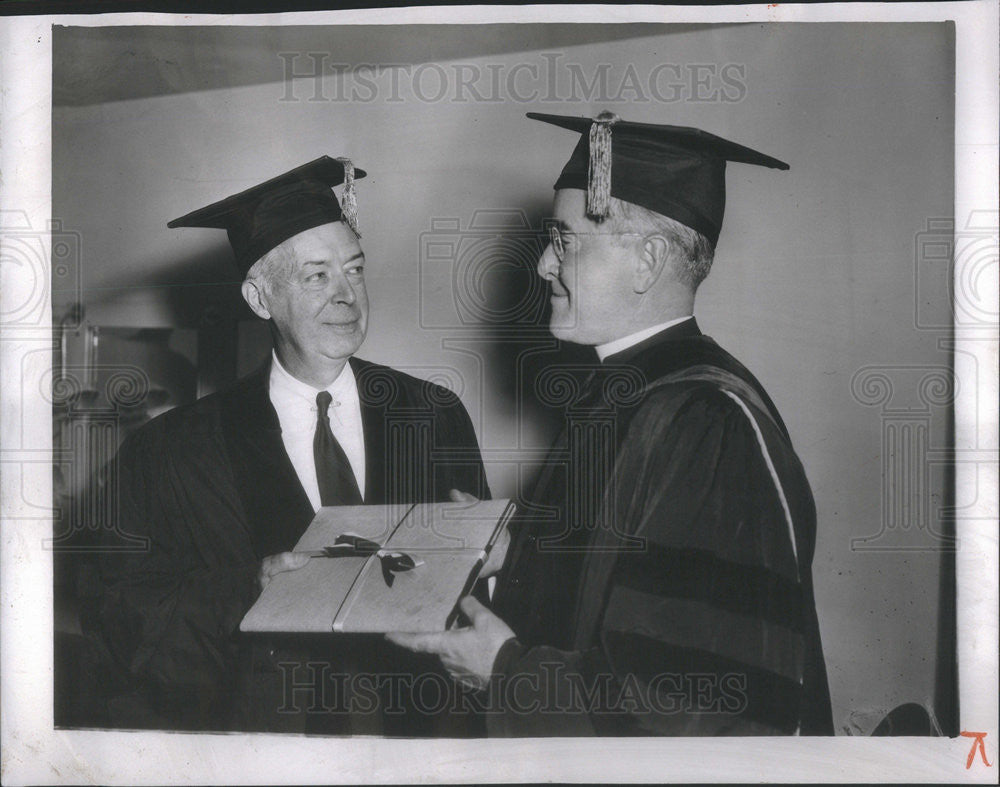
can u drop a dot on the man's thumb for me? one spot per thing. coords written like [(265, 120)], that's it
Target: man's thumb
[(473, 609), (289, 561)]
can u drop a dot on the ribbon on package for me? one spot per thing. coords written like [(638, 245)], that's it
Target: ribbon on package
[(351, 545)]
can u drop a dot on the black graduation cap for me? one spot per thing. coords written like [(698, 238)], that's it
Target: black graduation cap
[(268, 214), (673, 170)]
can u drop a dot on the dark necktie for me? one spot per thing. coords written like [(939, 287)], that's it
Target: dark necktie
[(337, 484)]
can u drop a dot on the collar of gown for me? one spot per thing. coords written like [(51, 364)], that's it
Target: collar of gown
[(616, 346)]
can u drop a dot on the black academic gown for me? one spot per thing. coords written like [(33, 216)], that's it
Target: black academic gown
[(212, 490), (652, 580)]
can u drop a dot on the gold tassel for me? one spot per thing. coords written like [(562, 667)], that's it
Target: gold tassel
[(599, 173), (350, 201)]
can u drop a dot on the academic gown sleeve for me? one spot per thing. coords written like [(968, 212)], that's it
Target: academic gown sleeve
[(699, 632), (170, 609)]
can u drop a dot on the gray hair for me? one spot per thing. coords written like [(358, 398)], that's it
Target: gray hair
[(269, 268), (695, 249), (278, 262)]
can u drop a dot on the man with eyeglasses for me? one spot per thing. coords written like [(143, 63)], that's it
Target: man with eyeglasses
[(658, 581)]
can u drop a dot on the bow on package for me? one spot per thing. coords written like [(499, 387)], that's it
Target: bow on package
[(350, 545)]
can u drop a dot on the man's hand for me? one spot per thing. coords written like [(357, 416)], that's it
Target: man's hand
[(275, 564), (498, 553), (458, 496), (468, 654)]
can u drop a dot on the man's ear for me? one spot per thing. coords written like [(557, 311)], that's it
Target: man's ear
[(653, 259), (255, 299)]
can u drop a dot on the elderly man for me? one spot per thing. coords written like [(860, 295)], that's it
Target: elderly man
[(659, 579), (223, 488)]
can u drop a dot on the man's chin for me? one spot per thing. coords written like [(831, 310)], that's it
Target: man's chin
[(345, 346), (563, 330)]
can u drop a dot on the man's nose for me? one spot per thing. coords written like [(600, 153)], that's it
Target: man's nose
[(548, 265), (341, 290)]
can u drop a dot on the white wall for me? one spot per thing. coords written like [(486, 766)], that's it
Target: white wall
[(814, 276)]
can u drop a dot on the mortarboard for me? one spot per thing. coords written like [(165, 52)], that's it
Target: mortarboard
[(270, 213), (676, 171)]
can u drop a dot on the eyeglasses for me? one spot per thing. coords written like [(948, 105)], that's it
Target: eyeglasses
[(556, 241), (559, 245)]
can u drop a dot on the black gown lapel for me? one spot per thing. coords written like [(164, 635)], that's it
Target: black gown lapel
[(375, 392), (277, 508)]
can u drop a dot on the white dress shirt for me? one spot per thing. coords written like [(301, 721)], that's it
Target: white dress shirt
[(295, 403), (616, 346)]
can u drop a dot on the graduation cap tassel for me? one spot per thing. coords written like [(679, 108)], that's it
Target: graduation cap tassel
[(350, 200), (599, 173)]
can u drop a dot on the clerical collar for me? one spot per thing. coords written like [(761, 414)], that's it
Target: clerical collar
[(340, 389), (616, 346)]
